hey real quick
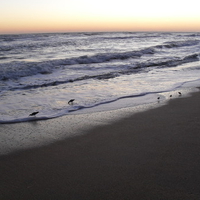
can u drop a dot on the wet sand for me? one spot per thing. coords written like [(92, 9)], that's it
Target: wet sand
[(150, 155)]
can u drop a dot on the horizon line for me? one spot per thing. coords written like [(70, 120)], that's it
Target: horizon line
[(62, 32)]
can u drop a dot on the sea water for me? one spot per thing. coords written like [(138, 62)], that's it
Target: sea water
[(101, 71)]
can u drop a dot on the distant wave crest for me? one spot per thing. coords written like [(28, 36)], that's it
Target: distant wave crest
[(15, 70), (124, 70), (174, 44)]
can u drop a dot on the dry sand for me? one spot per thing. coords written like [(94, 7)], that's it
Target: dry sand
[(150, 155)]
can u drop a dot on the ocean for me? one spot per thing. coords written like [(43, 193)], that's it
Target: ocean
[(42, 72)]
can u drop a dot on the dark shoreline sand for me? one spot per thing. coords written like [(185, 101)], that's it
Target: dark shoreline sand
[(150, 155)]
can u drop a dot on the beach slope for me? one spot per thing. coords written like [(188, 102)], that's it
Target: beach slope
[(150, 155)]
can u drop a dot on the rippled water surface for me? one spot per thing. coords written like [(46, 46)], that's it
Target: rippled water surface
[(42, 72)]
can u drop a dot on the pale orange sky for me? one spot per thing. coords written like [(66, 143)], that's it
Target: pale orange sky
[(24, 16)]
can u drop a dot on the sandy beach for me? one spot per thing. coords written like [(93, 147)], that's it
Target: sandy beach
[(151, 155)]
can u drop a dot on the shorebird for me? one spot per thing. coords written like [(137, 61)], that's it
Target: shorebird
[(34, 113), (179, 93), (71, 101), (170, 96)]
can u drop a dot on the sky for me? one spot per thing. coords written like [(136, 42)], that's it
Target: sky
[(35, 16)]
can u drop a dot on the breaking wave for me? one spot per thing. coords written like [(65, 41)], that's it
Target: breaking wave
[(174, 44), (15, 70), (124, 70)]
